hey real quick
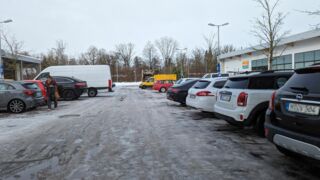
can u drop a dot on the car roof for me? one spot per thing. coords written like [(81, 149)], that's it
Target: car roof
[(264, 74)]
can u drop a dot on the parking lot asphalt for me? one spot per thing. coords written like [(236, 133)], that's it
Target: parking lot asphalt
[(136, 134)]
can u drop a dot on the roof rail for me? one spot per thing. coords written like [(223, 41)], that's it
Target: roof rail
[(278, 70), (316, 64)]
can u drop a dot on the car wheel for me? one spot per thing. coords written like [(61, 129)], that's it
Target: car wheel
[(288, 152), (16, 106), (259, 126), (163, 90), (69, 95), (143, 87), (92, 92)]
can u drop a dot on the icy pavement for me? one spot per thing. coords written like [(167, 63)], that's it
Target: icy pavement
[(136, 134)]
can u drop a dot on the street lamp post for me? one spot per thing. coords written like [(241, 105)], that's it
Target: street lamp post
[(218, 26), (184, 49), (1, 62)]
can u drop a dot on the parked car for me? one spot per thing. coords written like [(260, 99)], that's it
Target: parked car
[(162, 85), (183, 80), (244, 99), (97, 77), (203, 94), (70, 88), (41, 86), (293, 118), (38, 96), (179, 92), (214, 75), (16, 98)]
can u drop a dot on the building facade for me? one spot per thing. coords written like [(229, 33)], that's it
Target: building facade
[(292, 52), (20, 67)]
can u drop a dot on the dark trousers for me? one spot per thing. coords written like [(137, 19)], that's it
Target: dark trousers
[(50, 99)]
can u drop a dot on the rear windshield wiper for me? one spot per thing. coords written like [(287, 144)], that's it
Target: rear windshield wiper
[(300, 89), (226, 87)]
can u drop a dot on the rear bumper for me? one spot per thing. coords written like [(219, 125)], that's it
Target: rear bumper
[(202, 104), (229, 114), (175, 97), (300, 143), (40, 101), (229, 119)]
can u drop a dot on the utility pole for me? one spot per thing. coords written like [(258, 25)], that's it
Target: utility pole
[(181, 71), (1, 62), (218, 27)]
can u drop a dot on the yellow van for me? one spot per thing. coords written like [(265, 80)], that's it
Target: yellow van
[(158, 77)]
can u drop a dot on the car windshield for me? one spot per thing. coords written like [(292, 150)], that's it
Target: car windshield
[(237, 83), (304, 82)]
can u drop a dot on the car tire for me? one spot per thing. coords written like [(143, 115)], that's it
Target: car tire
[(163, 90), (259, 125), (288, 152), (69, 95), (92, 92), (16, 106)]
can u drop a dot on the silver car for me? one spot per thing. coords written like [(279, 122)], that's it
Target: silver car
[(16, 98)]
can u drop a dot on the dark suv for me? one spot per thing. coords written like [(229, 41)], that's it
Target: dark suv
[(293, 120), (70, 88)]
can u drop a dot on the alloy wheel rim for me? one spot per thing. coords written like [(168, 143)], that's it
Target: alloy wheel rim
[(16, 106)]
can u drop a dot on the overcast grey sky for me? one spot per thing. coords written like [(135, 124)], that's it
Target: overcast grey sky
[(105, 23)]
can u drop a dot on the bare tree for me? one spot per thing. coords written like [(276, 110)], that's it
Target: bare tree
[(60, 54), (14, 47), (210, 57), (125, 52), (267, 28), (167, 47), (150, 53)]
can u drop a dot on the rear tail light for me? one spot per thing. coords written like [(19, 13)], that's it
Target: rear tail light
[(204, 93), (174, 90), (242, 99), (29, 92), (81, 84), (110, 84), (271, 102)]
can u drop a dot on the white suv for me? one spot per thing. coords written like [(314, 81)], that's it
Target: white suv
[(203, 94), (244, 99)]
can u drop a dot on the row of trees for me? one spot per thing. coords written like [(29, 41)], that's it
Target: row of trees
[(162, 56)]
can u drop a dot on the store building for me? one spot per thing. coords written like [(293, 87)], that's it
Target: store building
[(20, 67), (292, 52)]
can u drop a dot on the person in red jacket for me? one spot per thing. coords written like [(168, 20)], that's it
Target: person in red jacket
[(52, 90)]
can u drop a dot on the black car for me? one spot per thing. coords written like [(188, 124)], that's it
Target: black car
[(293, 118), (179, 92), (70, 88)]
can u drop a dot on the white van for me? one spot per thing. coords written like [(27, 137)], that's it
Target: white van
[(97, 76)]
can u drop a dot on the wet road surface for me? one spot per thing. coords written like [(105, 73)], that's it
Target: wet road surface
[(136, 134)]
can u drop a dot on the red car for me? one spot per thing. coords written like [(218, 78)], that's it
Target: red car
[(41, 86), (162, 86)]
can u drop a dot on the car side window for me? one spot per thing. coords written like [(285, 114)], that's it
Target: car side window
[(281, 81), (10, 87), (207, 76), (3, 87), (62, 80), (219, 84), (262, 83)]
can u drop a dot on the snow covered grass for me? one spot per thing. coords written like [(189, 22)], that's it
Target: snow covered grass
[(119, 84)]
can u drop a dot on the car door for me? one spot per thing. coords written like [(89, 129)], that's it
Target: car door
[(4, 95)]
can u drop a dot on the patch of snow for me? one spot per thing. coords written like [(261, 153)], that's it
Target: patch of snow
[(119, 84)]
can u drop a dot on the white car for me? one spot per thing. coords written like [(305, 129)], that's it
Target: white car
[(244, 99), (214, 75), (183, 80), (202, 95)]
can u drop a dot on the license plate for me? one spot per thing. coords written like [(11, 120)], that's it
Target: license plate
[(192, 96), (225, 97), (303, 108)]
